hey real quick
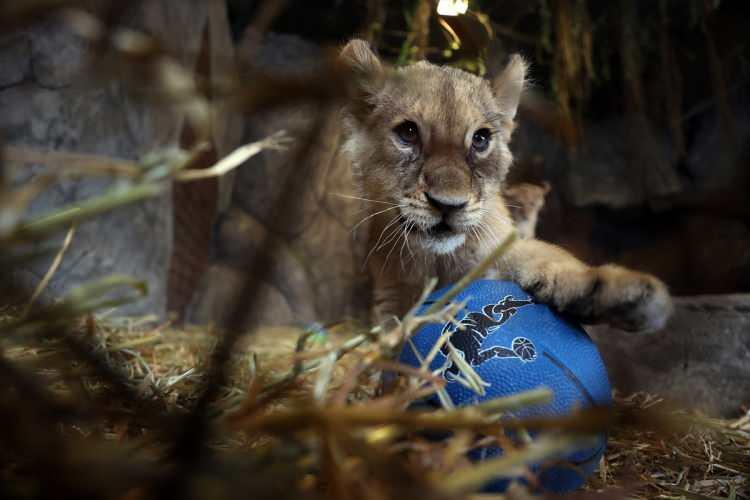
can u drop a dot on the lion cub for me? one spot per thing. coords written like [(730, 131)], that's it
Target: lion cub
[(429, 150), (525, 201)]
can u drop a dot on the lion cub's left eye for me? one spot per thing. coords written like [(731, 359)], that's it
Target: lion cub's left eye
[(481, 140)]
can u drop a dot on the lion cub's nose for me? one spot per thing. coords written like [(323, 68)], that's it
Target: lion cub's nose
[(446, 205)]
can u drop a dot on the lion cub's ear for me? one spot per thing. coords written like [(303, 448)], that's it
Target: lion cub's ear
[(367, 73), (359, 57), (509, 85)]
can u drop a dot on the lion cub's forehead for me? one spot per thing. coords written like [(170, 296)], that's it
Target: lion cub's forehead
[(439, 96)]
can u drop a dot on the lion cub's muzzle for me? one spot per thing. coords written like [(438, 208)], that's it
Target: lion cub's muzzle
[(446, 190), (442, 209), (446, 205), (443, 221), (448, 209)]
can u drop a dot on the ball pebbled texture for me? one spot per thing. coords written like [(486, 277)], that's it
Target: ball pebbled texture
[(515, 344)]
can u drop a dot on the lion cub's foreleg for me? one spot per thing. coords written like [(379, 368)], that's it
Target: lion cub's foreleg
[(606, 294), (393, 294)]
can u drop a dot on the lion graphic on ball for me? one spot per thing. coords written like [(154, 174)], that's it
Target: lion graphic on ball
[(468, 335)]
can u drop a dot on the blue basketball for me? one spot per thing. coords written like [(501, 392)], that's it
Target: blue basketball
[(515, 344)]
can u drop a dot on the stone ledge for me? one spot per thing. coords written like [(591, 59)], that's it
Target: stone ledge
[(701, 359)]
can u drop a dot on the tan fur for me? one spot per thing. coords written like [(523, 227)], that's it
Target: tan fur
[(441, 198), (525, 201)]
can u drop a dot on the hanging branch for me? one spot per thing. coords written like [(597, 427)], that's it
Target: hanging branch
[(422, 27), (572, 65)]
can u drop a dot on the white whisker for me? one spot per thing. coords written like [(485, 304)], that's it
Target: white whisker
[(373, 215), (392, 248), (375, 246), (394, 232), (405, 243), (363, 199), (499, 217), (475, 232), (494, 240), (414, 224)]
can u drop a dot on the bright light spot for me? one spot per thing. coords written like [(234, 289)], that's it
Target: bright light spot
[(452, 7)]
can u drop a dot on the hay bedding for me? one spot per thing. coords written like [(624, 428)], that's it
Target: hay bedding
[(707, 458)]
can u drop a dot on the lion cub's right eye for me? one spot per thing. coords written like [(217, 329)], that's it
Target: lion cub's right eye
[(407, 132)]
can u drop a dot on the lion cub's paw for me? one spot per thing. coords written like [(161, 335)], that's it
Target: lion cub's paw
[(609, 294), (631, 300)]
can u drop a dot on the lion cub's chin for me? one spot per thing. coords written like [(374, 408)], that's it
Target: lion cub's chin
[(443, 245)]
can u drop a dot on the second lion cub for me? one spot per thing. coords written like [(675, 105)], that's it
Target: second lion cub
[(429, 145)]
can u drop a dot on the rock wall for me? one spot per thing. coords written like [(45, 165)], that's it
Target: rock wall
[(51, 101), (700, 359)]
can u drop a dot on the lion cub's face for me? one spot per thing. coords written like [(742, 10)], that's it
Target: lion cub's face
[(433, 141)]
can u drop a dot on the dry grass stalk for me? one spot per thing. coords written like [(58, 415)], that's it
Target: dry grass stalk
[(277, 141), (72, 163), (52, 268)]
